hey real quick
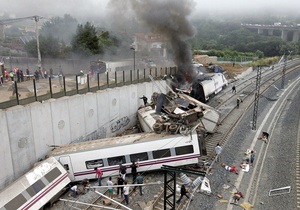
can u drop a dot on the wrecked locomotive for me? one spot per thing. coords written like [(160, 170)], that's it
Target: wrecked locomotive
[(203, 90), (199, 85)]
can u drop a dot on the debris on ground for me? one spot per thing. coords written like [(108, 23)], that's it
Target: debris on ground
[(247, 206), (223, 201), (220, 196), (226, 187)]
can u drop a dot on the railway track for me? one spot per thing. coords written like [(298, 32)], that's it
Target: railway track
[(232, 115), (187, 180), (229, 121)]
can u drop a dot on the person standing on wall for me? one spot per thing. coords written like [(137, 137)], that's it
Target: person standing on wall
[(145, 99)]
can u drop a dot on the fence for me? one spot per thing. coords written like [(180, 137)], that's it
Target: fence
[(235, 59), (60, 86)]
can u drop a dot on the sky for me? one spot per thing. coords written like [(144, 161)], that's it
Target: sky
[(171, 18), (97, 9)]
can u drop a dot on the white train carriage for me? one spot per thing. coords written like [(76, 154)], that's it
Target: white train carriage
[(37, 188), (206, 89), (151, 150)]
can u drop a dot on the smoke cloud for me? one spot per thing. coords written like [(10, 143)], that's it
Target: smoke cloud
[(170, 19)]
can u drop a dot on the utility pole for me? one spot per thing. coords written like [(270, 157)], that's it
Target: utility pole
[(132, 48), (257, 89), (36, 19), (283, 73)]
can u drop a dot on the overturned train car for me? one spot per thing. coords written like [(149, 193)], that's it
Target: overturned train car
[(203, 90)]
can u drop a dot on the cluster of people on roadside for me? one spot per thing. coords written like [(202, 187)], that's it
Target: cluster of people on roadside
[(19, 75)]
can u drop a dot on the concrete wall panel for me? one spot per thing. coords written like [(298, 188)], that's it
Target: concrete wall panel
[(90, 112), (133, 103), (21, 139), (126, 117), (42, 129), (76, 116), (7, 175), (61, 121), (103, 112), (114, 104)]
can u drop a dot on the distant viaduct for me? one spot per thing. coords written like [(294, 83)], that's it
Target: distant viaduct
[(287, 31)]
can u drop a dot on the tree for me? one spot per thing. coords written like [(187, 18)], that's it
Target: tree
[(49, 47), (62, 29), (259, 54), (86, 41)]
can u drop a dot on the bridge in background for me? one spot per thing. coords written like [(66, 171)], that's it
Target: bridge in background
[(285, 30)]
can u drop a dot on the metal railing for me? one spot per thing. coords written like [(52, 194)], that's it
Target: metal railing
[(59, 86)]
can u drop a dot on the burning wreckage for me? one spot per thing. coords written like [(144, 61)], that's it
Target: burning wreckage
[(177, 113)]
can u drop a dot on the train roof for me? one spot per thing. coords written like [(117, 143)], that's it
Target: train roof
[(108, 142), (37, 172)]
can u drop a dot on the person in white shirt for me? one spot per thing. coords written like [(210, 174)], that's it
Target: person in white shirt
[(218, 150), (126, 192), (110, 189), (74, 191)]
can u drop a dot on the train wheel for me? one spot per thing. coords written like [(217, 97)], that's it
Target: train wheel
[(157, 127), (173, 128)]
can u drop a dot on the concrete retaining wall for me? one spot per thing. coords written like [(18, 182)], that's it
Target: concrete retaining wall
[(28, 131)]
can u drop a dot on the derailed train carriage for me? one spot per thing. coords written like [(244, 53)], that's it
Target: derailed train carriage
[(175, 146), (150, 150), (203, 90), (39, 187)]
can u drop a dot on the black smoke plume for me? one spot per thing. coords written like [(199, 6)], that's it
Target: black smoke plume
[(170, 19)]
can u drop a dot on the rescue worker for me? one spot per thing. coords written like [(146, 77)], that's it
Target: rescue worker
[(13, 86), (233, 89), (237, 196), (238, 101), (145, 99)]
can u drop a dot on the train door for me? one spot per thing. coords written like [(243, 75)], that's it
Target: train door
[(66, 163)]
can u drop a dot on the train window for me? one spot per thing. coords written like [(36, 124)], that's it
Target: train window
[(53, 174), (139, 156), (116, 160), (161, 153), (16, 203), (184, 150), (91, 164), (38, 186)]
